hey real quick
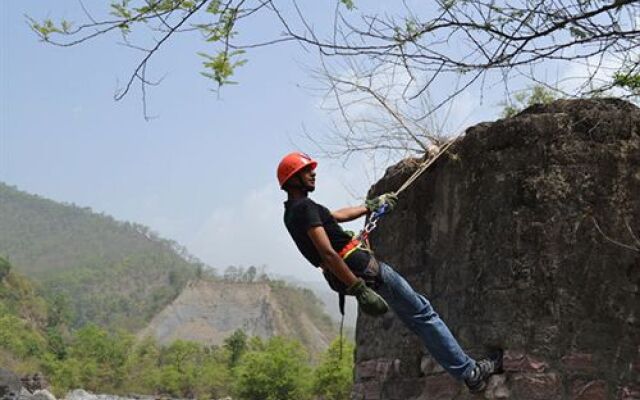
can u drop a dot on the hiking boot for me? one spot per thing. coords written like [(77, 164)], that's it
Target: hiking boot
[(485, 367)]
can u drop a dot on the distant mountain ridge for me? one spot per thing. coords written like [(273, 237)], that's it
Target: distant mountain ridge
[(30, 217), (121, 275), (117, 274), (208, 311)]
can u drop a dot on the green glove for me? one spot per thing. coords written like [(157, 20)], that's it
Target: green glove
[(369, 301), (388, 198)]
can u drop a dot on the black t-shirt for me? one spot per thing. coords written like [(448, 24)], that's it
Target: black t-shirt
[(302, 214)]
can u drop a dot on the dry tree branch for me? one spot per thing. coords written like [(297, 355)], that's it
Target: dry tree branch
[(635, 247), (469, 41), (143, 64), (633, 235)]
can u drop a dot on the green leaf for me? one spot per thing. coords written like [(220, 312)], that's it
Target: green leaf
[(66, 26), (221, 67), (349, 4), (577, 33), (627, 80)]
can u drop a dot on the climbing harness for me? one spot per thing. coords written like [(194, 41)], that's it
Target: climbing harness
[(350, 247), (361, 241)]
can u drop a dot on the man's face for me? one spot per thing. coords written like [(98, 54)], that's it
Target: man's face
[(308, 178)]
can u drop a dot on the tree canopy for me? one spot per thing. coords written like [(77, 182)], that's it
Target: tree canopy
[(459, 36), (393, 55)]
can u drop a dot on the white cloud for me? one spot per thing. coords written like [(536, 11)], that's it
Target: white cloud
[(251, 231)]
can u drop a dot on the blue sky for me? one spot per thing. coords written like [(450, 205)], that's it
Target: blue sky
[(203, 172)]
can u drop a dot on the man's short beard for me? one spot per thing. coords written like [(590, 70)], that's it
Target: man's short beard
[(298, 185)]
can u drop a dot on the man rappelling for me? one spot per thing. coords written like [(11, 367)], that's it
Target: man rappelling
[(351, 269)]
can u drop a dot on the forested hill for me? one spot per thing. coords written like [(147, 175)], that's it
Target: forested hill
[(114, 273), (25, 320)]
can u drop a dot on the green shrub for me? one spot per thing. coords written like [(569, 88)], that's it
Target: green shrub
[(333, 377), (18, 337), (280, 371)]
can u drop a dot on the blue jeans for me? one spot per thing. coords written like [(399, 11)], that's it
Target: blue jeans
[(419, 316)]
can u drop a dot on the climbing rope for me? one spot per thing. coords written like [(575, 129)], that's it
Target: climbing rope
[(372, 223), (424, 167)]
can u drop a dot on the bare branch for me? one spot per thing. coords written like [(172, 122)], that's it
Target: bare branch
[(151, 52), (617, 243), (472, 43)]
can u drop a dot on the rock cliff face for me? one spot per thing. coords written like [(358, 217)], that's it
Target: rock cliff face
[(525, 237), (210, 311)]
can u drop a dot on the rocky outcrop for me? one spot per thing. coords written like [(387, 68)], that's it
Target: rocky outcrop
[(10, 385), (30, 387), (80, 394), (210, 311), (34, 382), (525, 236)]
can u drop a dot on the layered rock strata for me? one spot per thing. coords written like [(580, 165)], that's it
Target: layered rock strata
[(210, 311)]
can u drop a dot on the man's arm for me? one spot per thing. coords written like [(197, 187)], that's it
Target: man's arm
[(331, 259), (369, 301), (349, 213)]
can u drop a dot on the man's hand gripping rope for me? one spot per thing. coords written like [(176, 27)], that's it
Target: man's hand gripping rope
[(369, 301)]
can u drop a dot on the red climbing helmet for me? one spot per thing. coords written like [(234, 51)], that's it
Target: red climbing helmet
[(291, 164)]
